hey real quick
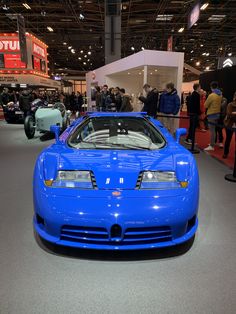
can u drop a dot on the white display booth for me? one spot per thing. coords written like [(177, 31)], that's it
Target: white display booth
[(149, 66)]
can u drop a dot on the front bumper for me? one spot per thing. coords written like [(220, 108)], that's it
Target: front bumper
[(145, 219)]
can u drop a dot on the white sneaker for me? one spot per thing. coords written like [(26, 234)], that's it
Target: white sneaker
[(209, 148)]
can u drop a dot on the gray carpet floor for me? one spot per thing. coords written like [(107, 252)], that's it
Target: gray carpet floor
[(34, 279)]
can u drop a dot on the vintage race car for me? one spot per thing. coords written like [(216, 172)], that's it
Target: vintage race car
[(12, 113), (116, 181), (44, 116)]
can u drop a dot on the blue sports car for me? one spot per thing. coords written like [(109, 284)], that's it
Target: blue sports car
[(116, 181)]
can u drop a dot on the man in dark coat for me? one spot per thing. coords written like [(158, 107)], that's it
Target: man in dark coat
[(150, 101), (25, 102), (169, 106), (194, 112)]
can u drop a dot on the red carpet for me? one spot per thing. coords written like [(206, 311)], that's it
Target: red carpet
[(203, 139)]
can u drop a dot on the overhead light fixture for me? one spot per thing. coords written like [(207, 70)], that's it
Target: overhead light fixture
[(26, 6), (128, 73), (81, 16), (198, 63), (143, 48), (72, 50), (164, 17), (230, 54), (81, 51), (201, 45), (207, 54), (203, 54), (155, 70), (132, 48), (43, 13), (181, 30), (191, 51), (140, 73), (89, 52), (69, 47), (204, 6), (216, 18), (79, 58), (64, 43), (85, 56), (207, 68), (49, 28), (5, 7), (84, 63)]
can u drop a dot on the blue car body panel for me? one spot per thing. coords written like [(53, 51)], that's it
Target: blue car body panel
[(87, 218)]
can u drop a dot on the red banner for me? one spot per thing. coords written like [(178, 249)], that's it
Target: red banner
[(36, 63), (13, 61), (39, 51)]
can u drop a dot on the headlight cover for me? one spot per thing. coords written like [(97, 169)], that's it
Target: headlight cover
[(161, 180), (73, 179)]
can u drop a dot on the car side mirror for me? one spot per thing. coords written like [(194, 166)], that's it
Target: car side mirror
[(56, 130), (180, 132)]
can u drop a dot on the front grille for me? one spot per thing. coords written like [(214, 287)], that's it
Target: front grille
[(140, 235), (131, 236), (84, 234)]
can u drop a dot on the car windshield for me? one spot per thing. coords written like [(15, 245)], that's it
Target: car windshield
[(116, 133)]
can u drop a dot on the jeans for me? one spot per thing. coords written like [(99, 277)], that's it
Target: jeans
[(212, 128)]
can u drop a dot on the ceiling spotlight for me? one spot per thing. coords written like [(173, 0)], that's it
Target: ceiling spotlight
[(230, 54), (204, 6), (26, 6), (84, 63), (191, 51), (143, 48), (89, 53), (79, 58), (69, 47), (128, 73), (198, 63), (181, 30), (81, 51), (88, 60), (155, 70), (50, 29), (5, 7), (140, 73), (132, 48), (201, 45), (64, 43), (81, 16), (85, 56), (72, 50), (207, 68), (43, 13)]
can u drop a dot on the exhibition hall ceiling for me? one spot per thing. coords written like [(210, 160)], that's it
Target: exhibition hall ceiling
[(74, 30)]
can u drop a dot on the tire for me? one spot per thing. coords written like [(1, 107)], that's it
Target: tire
[(29, 126), (65, 123)]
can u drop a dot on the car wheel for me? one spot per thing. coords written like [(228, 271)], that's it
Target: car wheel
[(29, 126)]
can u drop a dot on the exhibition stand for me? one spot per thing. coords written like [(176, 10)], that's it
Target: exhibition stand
[(148, 66)]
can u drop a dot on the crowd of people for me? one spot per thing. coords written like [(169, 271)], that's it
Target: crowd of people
[(73, 101), (211, 112), (205, 111)]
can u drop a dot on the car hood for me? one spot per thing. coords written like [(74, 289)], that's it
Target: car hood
[(112, 168)]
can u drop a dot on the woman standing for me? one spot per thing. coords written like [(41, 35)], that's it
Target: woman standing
[(230, 123)]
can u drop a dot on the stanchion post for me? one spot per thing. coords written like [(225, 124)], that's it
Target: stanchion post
[(192, 149), (232, 177)]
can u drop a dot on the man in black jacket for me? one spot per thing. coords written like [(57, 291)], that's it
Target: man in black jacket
[(194, 112), (150, 101), (25, 102)]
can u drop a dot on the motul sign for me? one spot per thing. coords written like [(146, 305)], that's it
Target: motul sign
[(38, 50), (9, 45)]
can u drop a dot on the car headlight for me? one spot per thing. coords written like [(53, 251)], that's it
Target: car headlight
[(161, 180), (72, 179)]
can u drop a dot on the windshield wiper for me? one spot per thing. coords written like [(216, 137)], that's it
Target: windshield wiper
[(128, 146)]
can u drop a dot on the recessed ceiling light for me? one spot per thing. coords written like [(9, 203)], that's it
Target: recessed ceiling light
[(230, 54), (204, 6), (207, 68), (81, 16), (49, 28), (155, 70), (26, 6), (64, 43), (198, 63), (192, 51), (201, 45), (79, 58), (181, 30), (132, 48), (128, 73), (84, 63), (69, 47), (81, 51), (164, 17), (89, 53)]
